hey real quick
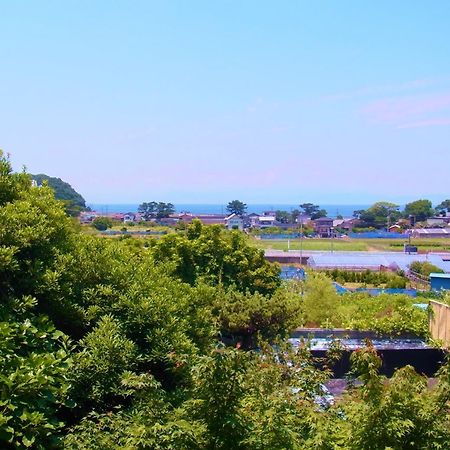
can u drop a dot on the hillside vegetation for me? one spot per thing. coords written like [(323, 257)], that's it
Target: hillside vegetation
[(73, 201)]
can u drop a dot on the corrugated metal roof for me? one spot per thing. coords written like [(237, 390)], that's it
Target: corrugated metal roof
[(440, 275)]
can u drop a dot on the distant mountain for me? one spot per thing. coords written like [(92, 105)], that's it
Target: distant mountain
[(75, 203)]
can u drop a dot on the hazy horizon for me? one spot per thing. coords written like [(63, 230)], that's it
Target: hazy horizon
[(211, 101)]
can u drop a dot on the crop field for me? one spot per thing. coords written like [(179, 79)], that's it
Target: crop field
[(380, 245), (312, 244)]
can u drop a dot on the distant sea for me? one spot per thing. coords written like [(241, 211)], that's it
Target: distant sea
[(332, 210)]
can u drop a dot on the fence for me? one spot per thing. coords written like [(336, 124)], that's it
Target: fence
[(440, 322), (280, 236)]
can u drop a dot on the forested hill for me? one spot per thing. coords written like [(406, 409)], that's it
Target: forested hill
[(74, 202)]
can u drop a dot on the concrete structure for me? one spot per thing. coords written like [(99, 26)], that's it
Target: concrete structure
[(440, 281)]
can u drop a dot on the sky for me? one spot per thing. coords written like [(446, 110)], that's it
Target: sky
[(208, 101)]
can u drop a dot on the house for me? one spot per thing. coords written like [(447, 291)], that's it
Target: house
[(438, 221), (395, 229), (429, 232), (117, 217), (323, 227), (128, 217), (267, 221), (88, 216), (206, 219), (235, 222), (251, 220)]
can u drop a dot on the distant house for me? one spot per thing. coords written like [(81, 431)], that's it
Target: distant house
[(206, 219), (323, 226), (395, 229), (438, 221), (235, 222), (88, 216), (429, 232), (266, 221), (117, 217), (345, 224), (251, 220), (129, 217)]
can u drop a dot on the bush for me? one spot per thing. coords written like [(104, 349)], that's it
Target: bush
[(102, 223)]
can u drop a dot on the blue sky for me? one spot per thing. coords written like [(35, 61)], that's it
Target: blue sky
[(207, 101)]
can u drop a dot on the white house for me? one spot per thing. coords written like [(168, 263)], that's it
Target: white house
[(235, 222)]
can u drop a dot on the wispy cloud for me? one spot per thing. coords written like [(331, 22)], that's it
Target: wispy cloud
[(402, 111), (426, 123), (385, 89)]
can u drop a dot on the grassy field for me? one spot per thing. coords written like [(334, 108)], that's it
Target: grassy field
[(424, 245), (311, 244)]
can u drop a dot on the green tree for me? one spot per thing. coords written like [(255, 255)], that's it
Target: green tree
[(148, 210), (313, 211), (236, 207), (102, 223), (421, 209), (164, 210), (283, 216), (320, 301), (443, 207), (309, 208), (424, 268), (217, 257), (158, 210), (247, 315), (379, 215)]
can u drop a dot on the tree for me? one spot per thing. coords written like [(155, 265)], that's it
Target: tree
[(102, 223), (420, 209), (443, 207), (148, 210), (217, 257), (320, 300), (379, 215), (309, 208), (157, 210), (283, 216), (318, 214), (164, 210), (313, 211), (236, 207)]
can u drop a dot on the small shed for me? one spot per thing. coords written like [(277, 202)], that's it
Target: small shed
[(440, 281)]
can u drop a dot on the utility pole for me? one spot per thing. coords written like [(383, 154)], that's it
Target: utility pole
[(301, 240)]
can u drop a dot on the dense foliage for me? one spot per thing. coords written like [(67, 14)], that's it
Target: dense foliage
[(73, 201), (102, 223), (236, 207), (155, 210), (424, 268), (370, 278), (385, 314), (109, 345)]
